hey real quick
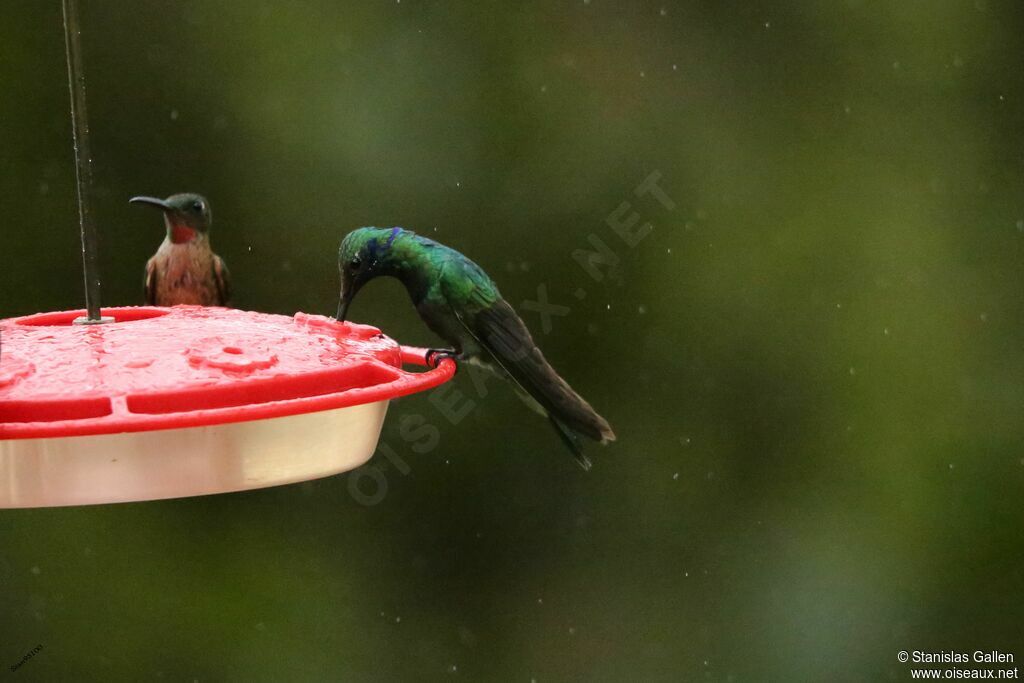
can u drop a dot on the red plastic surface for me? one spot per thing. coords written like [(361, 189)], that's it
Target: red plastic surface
[(189, 366)]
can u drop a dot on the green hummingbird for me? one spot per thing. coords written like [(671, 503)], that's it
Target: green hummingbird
[(184, 269), (462, 305)]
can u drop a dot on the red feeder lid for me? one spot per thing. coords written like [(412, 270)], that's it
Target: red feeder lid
[(190, 366), (184, 401)]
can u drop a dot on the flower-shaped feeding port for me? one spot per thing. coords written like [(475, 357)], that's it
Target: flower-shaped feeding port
[(184, 401)]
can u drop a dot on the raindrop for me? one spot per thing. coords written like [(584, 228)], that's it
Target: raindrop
[(675, 476), (174, 115), (35, 570), (641, 309)]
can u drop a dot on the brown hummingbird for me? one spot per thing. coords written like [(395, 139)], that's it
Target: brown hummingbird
[(184, 270)]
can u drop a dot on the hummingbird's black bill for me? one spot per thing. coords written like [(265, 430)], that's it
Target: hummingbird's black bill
[(349, 288), (152, 201)]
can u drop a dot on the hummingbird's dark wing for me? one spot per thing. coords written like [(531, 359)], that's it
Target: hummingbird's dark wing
[(222, 278), (498, 329), (149, 282), (502, 332)]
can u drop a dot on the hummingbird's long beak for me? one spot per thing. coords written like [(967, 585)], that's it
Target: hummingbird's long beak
[(152, 201), (350, 286), (343, 304)]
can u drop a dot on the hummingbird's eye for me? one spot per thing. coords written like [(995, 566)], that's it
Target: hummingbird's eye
[(355, 262), (198, 206)]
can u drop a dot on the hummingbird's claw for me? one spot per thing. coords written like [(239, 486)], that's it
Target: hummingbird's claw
[(435, 356)]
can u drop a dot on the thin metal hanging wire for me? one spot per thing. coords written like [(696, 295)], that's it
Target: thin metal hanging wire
[(83, 159)]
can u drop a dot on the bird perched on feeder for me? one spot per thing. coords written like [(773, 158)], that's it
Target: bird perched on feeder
[(459, 302), (184, 269)]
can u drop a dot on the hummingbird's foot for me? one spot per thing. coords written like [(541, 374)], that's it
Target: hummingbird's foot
[(435, 356)]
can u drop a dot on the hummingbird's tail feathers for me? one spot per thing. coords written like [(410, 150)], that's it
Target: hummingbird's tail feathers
[(504, 335), (573, 441)]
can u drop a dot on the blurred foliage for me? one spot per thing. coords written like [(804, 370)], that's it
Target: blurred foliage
[(813, 362)]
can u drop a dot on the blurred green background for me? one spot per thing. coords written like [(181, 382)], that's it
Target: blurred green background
[(813, 362)]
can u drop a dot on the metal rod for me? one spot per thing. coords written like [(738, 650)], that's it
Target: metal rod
[(83, 158)]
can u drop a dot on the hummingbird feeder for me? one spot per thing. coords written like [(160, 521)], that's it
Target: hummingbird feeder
[(184, 401), (128, 404)]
